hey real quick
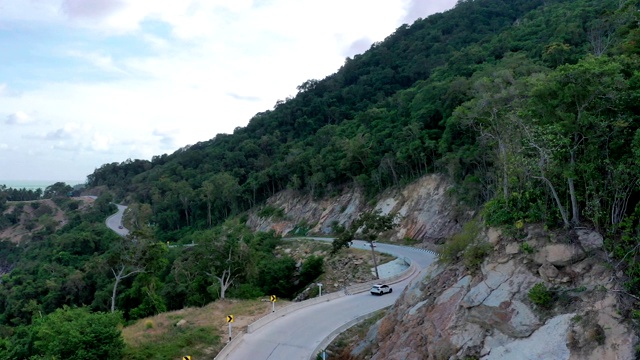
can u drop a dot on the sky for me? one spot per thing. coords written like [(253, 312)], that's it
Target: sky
[(89, 82)]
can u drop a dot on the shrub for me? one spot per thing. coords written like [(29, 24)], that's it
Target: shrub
[(454, 248), (526, 248), (270, 211), (475, 254), (541, 296)]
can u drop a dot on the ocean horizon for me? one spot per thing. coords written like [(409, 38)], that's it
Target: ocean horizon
[(36, 184)]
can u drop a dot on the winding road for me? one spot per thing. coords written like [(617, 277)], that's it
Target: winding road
[(298, 334), (114, 222)]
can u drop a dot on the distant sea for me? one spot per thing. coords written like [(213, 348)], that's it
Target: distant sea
[(36, 184)]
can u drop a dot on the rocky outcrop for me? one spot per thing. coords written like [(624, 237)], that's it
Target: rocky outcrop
[(451, 313), (427, 213)]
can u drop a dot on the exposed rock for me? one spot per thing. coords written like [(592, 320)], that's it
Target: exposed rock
[(453, 315), (549, 342), (559, 254), (590, 240), (548, 272), (493, 236), (426, 212), (181, 323), (512, 248)]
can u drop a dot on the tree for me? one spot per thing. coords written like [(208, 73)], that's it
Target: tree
[(132, 255), (224, 254), (77, 334), (369, 225), (67, 333)]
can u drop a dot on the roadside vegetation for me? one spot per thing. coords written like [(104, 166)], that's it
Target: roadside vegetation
[(528, 106)]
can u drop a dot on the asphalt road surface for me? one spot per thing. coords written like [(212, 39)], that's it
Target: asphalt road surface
[(114, 222), (296, 335)]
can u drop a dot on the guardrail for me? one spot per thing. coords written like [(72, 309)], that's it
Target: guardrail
[(334, 334), (353, 289)]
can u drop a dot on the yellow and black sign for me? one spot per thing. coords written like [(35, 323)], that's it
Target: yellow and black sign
[(273, 298), (229, 318), (186, 357)]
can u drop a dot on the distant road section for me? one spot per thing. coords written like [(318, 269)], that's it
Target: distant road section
[(297, 335), (114, 222)]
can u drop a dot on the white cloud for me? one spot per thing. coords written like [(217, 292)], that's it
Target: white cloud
[(203, 67), (6, 91), (19, 118), (100, 142), (97, 59)]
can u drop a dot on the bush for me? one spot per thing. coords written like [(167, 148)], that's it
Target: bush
[(270, 211), (454, 248), (475, 254), (245, 291), (541, 296)]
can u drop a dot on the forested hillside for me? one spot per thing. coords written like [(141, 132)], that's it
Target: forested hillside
[(529, 106)]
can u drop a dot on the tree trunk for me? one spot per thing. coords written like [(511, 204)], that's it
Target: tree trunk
[(225, 282), (575, 220), (563, 212), (505, 176), (375, 261), (119, 277), (115, 288)]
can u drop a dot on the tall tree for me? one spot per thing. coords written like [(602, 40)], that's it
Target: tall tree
[(369, 226), (136, 253)]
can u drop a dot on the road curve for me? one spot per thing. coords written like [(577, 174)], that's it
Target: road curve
[(298, 334), (114, 222)]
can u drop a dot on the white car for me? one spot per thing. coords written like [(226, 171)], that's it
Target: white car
[(380, 289)]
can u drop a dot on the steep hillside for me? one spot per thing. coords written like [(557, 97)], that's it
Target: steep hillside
[(428, 215), (539, 295), (29, 217)]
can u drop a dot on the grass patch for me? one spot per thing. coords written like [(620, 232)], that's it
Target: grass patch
[(178, 342), (203, 335)]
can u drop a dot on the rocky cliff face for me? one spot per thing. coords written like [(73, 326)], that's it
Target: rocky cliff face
[(451, 313), (428, 215)]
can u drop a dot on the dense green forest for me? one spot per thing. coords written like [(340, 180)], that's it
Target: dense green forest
[(529, 106)]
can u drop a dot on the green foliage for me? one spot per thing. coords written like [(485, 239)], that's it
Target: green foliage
[(246, 291), (541, 296), (368, 226), (454, 248), (270, 211), (311, 269), (527, 206), (276, 276), (175, 344), (302, 228), (70, 334), (526, 248), (475, 254)]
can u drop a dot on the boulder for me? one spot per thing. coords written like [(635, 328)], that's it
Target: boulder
[(590, 240), (548, 272), (560, 254)]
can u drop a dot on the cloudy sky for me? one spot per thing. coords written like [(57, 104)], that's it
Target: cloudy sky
[(89, 82)]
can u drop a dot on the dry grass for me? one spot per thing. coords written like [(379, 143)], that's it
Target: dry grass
[(213, 315), (202, 335)]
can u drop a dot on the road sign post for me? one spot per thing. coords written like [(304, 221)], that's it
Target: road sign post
[(273, 303), (229, 321), (319, 289)]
